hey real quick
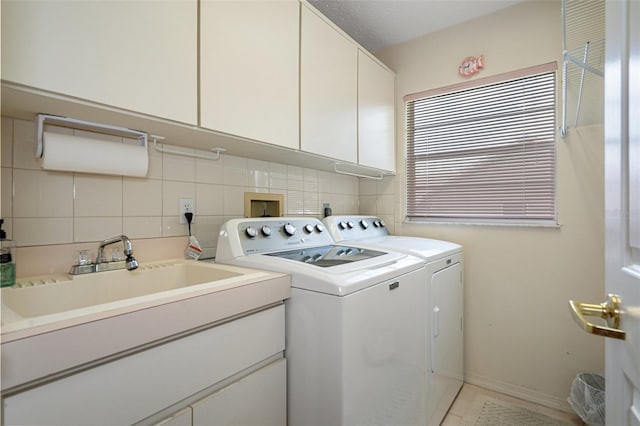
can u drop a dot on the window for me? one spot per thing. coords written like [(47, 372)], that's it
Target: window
[(484, 151)]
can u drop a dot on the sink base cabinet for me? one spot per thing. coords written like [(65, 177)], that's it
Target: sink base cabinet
[(134, 387), (258, 399)]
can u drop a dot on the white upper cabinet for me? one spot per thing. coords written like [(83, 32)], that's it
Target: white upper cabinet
[(249, 70), (329, 85), (376, 114), (134, 55)]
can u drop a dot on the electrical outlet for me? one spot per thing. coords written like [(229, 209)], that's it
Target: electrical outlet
[(186, 206)]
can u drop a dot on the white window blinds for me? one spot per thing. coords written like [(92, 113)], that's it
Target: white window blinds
[(484, 153)]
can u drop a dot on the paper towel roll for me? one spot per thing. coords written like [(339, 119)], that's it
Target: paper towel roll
[(79, 154)]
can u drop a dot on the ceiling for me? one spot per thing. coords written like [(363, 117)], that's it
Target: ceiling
[(376, 24)]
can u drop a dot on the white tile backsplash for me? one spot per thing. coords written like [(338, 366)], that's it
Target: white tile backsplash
[(142, 226), (42, 231), (258, 173), (277, 176), (295, 178), (40, 208), (171, 227), (42, 194), (209, 171), (233, 201), (24, 143), (368, 205), (172, 192), (141, 197), (311, 204), (311, 181), (210, 200), (96, 228), (384, 205), (236, 172), (97, 196), (178, 167), (294, 204), (6, 145), (368, 187), (7, 192)]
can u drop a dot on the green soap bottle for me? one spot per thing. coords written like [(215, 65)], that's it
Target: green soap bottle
[(7, 265)]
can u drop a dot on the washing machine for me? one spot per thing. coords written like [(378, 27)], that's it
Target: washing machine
[(355, 334), (444, 301)]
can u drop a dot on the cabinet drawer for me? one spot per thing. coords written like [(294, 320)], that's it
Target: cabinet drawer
[(258, 399), (131, 388)]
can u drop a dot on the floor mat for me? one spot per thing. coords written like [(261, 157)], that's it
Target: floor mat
[(493, 412)]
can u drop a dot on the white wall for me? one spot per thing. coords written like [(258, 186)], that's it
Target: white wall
[(520, 337)]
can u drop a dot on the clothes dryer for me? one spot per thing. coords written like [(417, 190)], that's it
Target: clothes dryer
[(355, 334), (444, 291)]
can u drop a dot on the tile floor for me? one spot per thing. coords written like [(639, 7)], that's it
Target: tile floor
[(462, 404)]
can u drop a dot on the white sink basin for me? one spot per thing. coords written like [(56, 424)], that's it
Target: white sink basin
[(39, 296)]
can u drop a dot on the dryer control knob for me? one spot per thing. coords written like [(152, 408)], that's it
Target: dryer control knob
[(343, 225), (289, 229), (364, 224), (250, 232), (266, 231), (319, 227), (350, 225), (308, 228)]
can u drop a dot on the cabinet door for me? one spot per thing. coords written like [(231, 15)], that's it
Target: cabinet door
[(249, 69), (328, 90), (258, 399), (135, 55), (376, 114)]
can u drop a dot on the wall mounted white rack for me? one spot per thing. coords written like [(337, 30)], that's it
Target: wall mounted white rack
[(193, 154), (583, 50)]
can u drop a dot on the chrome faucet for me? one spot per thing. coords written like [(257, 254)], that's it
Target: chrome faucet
[(101, 263), (130, 263)]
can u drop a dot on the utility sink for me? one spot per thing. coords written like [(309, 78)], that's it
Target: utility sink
[(38, 296), (51, 324), (37, 300)]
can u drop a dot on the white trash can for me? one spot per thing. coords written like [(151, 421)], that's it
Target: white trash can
[(587, 398)]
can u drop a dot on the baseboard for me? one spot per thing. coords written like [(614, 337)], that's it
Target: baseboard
[(519, 392)]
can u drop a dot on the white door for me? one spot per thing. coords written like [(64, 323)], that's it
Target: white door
[(622, 203)]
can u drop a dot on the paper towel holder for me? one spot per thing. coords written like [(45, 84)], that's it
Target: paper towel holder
[(74, 123)]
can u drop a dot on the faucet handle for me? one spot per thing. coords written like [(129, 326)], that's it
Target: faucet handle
[(117, 255)]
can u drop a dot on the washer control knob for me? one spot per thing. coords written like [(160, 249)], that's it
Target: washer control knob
[(364, 224), (250, 232), (376, 223), (319, 227), (350, 225), (308, 228), (382, 224), (343, 225), (266, 231), (289, 229)]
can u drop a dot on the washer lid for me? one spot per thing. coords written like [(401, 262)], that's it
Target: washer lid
[(328, 256)]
